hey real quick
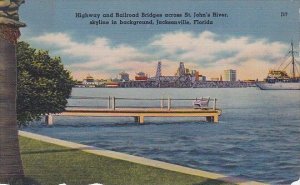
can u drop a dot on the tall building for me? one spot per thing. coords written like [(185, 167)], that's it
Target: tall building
[(230, 75), (181, 70), (195, 74)]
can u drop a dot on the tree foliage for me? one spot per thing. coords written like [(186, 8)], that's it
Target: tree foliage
[(43, 84)]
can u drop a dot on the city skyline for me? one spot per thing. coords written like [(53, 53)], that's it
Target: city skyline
[(237, 42), (188, 71)]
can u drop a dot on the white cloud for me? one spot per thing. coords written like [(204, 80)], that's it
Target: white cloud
[(213, 53), (206, 51), (97, 54), (208, 47)]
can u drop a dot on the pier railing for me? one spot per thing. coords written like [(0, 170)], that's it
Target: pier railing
[(112, 102), (139, 108)]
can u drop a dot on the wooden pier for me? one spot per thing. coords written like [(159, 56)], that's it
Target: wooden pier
[(140, 113)]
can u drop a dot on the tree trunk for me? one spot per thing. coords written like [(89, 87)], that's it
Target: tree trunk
[(10, 159)]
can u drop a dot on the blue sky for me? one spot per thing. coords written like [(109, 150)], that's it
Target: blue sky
[(252, 39)]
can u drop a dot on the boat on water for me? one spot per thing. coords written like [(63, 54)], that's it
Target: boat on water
[(279, 79), (279, 86)]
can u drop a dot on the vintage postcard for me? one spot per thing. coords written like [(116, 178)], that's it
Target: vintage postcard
[(162, 92)]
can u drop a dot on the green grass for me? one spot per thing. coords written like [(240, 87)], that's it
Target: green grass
[(48, 164)]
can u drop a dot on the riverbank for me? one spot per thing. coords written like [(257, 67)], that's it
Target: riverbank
[(48, 163)]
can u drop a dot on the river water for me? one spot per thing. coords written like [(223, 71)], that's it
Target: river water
[(258, 136)]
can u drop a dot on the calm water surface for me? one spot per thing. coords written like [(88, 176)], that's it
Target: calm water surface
[(258, 136)]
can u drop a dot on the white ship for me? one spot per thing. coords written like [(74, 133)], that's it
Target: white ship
[(280, 80), (279, 86)]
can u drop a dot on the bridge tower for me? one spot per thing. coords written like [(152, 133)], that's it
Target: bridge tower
[(158, 71), (158, 74)]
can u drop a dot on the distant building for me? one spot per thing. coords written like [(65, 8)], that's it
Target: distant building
[(250, 81), (124, 77), (202, 78), (214, 79), (112, 84), (89, 80), (141, 76), (195, 75), (181, 71), (230, 75), (187, 71)]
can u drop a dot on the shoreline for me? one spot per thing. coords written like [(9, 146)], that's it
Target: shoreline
[(138, 160)]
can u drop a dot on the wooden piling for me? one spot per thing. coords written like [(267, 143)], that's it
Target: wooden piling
[(169, 103), (215, 104), (141, 120), (49, 119), (136, 119), (209, 119), (114, 103), (108, 104), (216, 118)]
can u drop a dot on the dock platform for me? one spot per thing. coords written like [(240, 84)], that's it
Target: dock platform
[(140, 113)]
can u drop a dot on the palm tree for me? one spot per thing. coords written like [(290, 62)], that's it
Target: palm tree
[(10, 159)]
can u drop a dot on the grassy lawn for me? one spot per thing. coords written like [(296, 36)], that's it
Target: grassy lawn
[(48, 164)]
